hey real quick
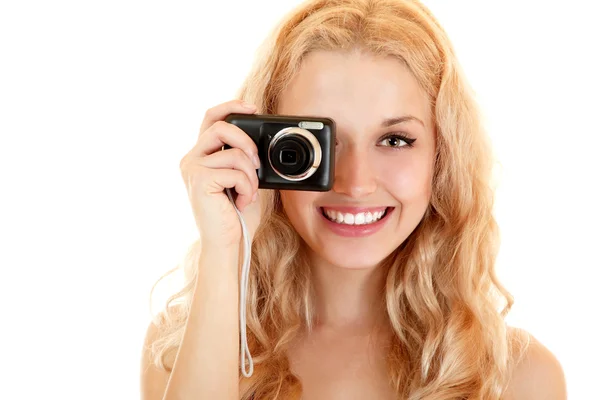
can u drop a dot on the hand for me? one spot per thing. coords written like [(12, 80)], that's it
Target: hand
[(207, 170)]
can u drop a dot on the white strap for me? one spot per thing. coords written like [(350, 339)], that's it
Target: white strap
[(244, 350)]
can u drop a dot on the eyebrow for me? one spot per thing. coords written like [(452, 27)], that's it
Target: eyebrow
[(398, 120)]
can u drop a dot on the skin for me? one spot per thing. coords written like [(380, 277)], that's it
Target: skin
[(359, 92), (344, 357)]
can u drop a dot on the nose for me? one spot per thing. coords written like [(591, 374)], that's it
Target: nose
[(354, 175)]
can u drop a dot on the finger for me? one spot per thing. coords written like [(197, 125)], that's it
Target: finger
[(232, 158), (219, 112), (221, 133), (222, 179)]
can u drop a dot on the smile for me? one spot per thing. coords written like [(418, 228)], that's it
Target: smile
[(355, 222), (347, 218)]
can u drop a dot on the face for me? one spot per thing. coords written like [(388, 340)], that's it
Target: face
[(383, 161)]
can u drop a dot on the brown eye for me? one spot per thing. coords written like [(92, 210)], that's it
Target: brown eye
[(393, 141), (397, 141)]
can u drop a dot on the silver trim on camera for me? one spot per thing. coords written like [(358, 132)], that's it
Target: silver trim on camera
[(311, 125), (308, 136)]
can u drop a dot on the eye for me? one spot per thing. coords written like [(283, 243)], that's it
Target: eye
[(396, 140)]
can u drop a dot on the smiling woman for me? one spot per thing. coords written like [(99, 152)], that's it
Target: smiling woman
[(383, 287), (381, 167)]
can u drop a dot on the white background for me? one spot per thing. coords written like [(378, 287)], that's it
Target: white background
[(100, 100)]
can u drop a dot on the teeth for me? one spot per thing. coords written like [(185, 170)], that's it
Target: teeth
[(354, 219), (359, 219)]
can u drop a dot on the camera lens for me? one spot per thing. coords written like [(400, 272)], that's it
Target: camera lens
[(294, 153), (291, 155), (288, 157)]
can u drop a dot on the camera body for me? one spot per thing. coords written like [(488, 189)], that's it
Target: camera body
[(296, 152)]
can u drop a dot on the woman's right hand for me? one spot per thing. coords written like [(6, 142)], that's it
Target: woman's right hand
[(207, 170)]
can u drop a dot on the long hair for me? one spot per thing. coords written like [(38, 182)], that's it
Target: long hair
[(445, 304)]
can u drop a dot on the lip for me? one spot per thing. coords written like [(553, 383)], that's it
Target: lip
[(355, 210), (356, 230)]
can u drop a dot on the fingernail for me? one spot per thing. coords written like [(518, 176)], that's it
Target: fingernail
[(254, 197), (248, 105), (256, 161)]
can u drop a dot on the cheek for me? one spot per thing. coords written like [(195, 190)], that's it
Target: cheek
[(408, 179), (297, 204)]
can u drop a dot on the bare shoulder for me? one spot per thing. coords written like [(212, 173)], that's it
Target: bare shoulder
[(154, 379), (538, 375)]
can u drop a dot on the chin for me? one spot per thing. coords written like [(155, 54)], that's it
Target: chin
[(353, 260)]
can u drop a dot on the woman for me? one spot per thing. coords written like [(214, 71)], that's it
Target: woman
[(381, 288)]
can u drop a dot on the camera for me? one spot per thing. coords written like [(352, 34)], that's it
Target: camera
[(296, 152)]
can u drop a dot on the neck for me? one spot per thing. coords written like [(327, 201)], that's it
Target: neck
[(348, 300)]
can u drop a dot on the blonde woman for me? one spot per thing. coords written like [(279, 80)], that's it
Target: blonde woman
[(381, 288)]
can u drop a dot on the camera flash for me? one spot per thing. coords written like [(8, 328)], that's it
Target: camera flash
[(311, 125)]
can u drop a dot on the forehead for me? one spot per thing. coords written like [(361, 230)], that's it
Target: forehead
[(354, 87)]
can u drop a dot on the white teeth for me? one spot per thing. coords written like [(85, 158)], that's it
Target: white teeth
[(354, 219), (348, 219), (359, 219)]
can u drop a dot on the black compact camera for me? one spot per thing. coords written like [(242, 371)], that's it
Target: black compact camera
[(296, 152)]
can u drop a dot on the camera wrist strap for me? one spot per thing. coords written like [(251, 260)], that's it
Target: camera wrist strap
[(244, 350)]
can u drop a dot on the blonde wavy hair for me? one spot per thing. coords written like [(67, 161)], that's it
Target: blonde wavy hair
[(445, 304)]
